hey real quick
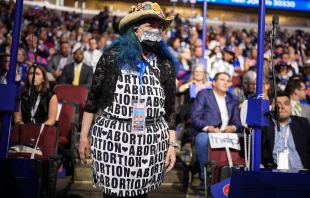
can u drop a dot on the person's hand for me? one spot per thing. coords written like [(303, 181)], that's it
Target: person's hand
[(57, 74), (170, 158), (213, 129), (229, 129), (208, 83), (84, 148), (29, 62)]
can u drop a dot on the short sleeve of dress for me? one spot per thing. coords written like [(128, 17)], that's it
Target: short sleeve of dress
[(95, 90)]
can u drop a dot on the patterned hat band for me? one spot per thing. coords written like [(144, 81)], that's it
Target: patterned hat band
[(155, 7)]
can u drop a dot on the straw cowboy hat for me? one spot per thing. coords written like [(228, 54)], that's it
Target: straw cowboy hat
[(144, 10)]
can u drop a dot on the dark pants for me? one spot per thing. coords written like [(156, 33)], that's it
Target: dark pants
[(111, 196)]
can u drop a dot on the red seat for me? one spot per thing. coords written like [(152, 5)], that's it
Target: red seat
[(22, 134), (48, 144), (236, 82), (65, 121), (72, 93), (219, 156)]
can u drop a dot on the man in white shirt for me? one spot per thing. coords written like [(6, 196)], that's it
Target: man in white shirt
[(213, 111), (298, 91), (92, 56)]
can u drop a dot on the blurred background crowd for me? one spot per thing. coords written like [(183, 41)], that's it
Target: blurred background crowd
[(70, 38)]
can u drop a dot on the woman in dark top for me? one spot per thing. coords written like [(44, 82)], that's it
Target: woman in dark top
[(45, 102)]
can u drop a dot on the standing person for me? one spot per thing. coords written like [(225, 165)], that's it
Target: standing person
[(137, 99), (92, 56)]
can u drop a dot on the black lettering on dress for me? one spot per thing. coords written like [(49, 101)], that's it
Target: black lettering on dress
[(114, 182), (110, 135), (145, 80), (156, 102), (124, 110), (149, 91), (138, 161), (127, 89), (117, 136), (152, 81), (149, 139), (94, 130), (131, 161), (96, 166), (102, 168), (94, 151), (139, 150), (122, 183), (113, 158), (113, 124), (120, 78), (139, 173), (146, 172), (153, 150), (137, 184), (125, 137), (117, 109), (127, 79), (135, 89), (107, 181), (105, 157), (99, 155), (149, 102), (132, 139), (132, 150), (126, 99)]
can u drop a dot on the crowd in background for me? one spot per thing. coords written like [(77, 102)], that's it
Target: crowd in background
[(228, 49)]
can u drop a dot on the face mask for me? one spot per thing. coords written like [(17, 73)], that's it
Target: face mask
[(150, 46), (151, 35), (150, 40)]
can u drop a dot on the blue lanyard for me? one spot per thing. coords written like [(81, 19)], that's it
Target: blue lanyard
[(142, 70)]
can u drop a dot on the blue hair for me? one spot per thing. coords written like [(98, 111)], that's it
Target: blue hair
[(164, 52), (131, 51)]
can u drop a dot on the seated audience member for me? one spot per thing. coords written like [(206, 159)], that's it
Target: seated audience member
[(184, 59), (293, 138), (4, 69), (225, 64), (248, 87), (92, 56), (197, 82), (77, 73), (42, 52), (250, 61), (214, 110), (297, 91), (44, 107), (21, 66), (57, 63), (284, 73)]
